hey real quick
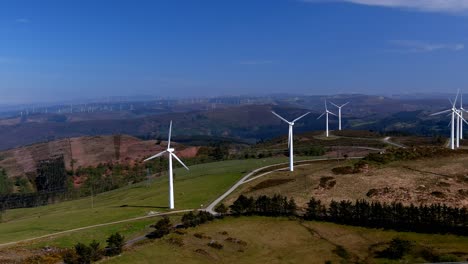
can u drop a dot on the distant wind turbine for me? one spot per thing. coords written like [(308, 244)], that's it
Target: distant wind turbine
[(326, 115), (453, 112), (462, 110), (290, 137), (339, 113), (171, 154)]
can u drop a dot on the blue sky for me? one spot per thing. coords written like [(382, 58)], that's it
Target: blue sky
[(61, 50)]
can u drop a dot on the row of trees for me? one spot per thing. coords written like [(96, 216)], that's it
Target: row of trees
[(263, 205), (435, 218), (164, 226), (86, 254)]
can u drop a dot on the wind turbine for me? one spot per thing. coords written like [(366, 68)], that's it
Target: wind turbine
[(171, 154), (453, 112), (339, 113), (326, 115), (461, 114), (290, 137)]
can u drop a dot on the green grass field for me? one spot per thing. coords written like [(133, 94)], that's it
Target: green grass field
[(279, 240), (193, 189)]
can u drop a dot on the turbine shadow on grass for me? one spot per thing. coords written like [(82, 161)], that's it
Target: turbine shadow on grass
[(144, 206)]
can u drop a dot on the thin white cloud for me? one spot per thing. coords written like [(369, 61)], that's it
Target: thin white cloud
[(22, 20), (256, 62), (421, 46), (447, 6)]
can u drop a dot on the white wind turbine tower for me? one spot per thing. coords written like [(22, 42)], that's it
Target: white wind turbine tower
[(339, 113), (290, 137), (453, 112), (326, 115), (461, 115), (171, 154)]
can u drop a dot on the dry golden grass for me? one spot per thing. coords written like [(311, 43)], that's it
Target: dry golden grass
[(279, 240), (426, 181)]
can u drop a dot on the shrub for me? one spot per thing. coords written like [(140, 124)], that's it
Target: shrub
[(201, 236), (115, 244), (84, 253), (178, 241), (221, 209), (191, 220), (215, 244), (162, 228), (341, 252), (396, 250), (70, 257), (343, 170), (96, 251)]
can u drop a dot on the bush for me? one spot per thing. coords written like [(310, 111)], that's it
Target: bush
[(163, 227), (221, 209), (191, 220), (70, 257), (84, 253), (115, 244), (178, 241), (96, 251), (341, 252), (396, 250), (343, 170), (215, 244)]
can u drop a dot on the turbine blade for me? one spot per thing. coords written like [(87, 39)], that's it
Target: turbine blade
[(301, 117), (170, 133), (334, 104), (461, 100), (155, 156), (456, 98), (321, 115), (326, 107), (331, 113), (280, 117), (441, 112), (460, 116), (345, 104), (177, 158)]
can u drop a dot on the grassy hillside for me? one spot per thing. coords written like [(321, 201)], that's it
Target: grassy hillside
[(193, 189), (279, 240)]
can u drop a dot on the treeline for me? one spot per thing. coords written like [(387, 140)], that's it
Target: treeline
[(50, 183), (401, 154), (263, 205), (435, 218), (24, 200)]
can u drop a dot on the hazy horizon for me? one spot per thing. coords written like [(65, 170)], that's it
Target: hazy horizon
[(52, 51)]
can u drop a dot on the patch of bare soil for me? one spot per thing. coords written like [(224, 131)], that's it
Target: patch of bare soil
[(85, 152)]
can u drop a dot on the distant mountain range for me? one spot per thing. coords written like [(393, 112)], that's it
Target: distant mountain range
[(231, 117)]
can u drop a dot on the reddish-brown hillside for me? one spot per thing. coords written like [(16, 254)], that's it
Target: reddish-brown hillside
[(84, 152)]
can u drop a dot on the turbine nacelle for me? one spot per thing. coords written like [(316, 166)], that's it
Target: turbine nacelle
[(170, 150)]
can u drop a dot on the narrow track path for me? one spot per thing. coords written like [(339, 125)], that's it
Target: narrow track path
[(89, 227)]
